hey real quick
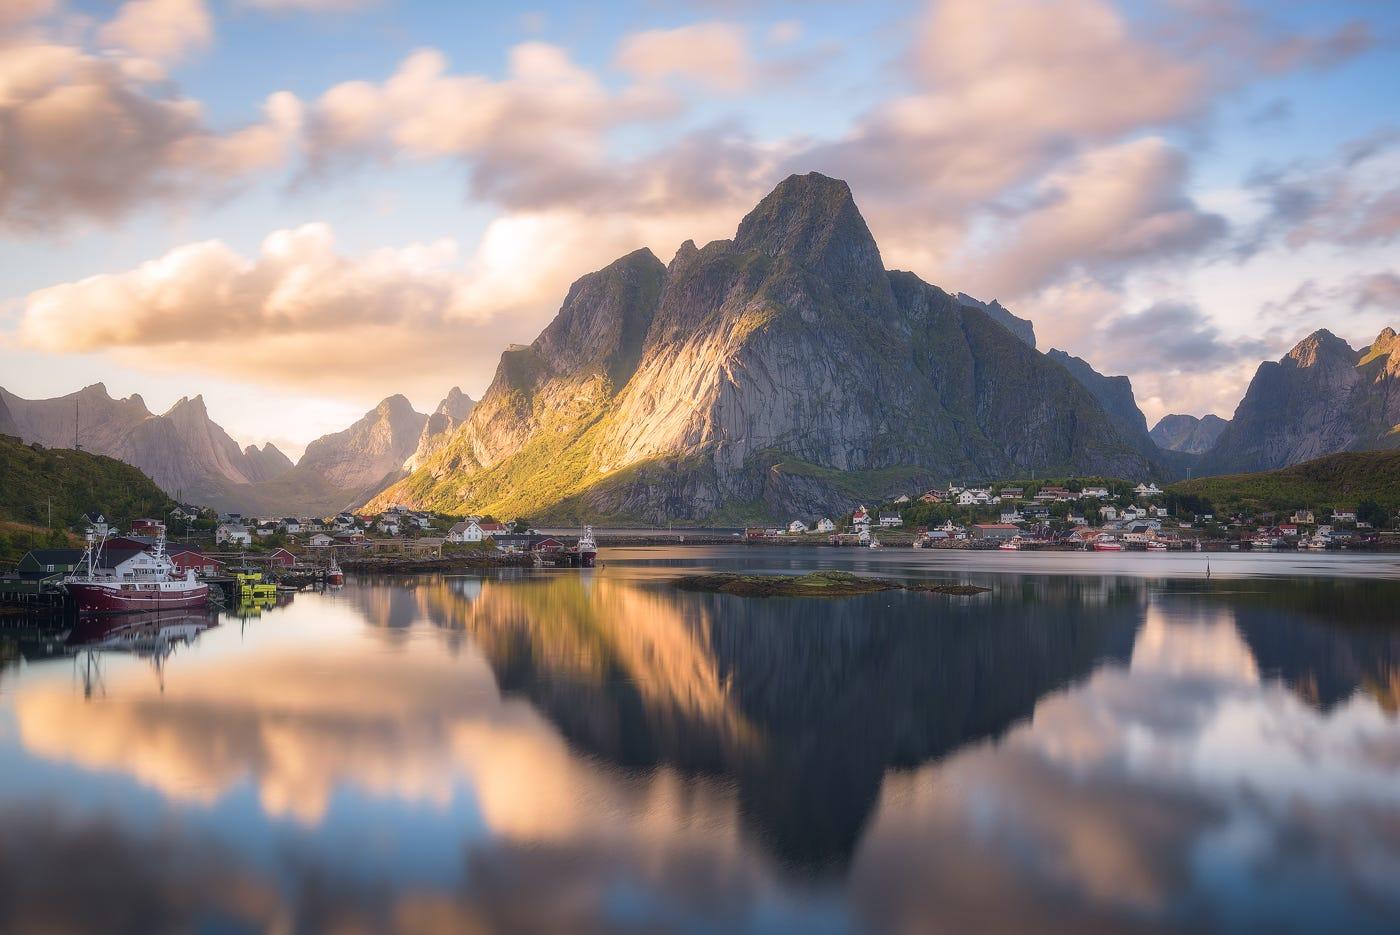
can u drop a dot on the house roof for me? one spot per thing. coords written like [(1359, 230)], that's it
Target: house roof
[(55, 556)]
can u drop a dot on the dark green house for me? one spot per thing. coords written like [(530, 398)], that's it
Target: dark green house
[(40, 563)]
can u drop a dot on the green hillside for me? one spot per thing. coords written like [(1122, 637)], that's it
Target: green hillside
[(1340, 480), (32, 477)]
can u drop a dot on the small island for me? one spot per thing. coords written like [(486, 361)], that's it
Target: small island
[(814, 584)]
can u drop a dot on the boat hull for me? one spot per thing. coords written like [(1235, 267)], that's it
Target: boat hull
[(97, 599)]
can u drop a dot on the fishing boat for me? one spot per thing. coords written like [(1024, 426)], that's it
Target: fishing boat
[(333, 573), (1107, 544), (145, 581), (1011, 545), (1156, 546), (1262, 543), (875, 543), (587, 548)]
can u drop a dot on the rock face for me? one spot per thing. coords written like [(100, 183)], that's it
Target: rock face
[(1321, 397), (1187, 433), (998, 313), (371, 450), (444, 421), (784, 371), (1115, 394)]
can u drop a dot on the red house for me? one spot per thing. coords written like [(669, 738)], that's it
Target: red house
[(186, 559), (146, 527), (282, 558), (548, 544)]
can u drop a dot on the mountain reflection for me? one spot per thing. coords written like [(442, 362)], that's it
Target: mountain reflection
[(567, 751)]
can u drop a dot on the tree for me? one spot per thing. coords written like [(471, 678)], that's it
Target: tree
[(1369, 511)]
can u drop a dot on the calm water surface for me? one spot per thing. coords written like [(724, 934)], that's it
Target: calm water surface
[(1103, 742)]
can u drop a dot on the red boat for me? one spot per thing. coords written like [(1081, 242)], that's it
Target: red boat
[(333, 573), (145, 581), (1108, 544)]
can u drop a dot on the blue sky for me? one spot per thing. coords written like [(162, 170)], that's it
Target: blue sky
[(1172, 189)]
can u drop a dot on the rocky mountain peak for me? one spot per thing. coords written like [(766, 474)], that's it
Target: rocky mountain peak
[(1320, 347), (1387, 342), (814, 220)]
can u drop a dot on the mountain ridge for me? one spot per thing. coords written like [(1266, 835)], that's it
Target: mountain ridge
[(788, 346)]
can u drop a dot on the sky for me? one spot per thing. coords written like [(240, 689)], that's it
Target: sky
[(298, 207)]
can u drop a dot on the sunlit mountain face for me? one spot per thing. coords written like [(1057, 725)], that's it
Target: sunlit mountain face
[(600, 751)]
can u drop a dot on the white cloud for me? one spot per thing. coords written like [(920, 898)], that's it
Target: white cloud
[(713, 55), (163, 30)]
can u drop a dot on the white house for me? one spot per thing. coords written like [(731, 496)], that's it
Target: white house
[(860, 517), (320, 541), (1099, 493), (1108, 514), (1011, 516), (902, 498), (974, 495), (469, 530), (1147, 490), (1343, 516), (389, 525), (231, 534), (825, 525), (891, 519), (1077, 520), (797, 527), (291, 525)]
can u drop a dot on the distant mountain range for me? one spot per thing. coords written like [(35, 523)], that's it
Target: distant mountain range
[(1188, 434), (783, 372), (192, 458)]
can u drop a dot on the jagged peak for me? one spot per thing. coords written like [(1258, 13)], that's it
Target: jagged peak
[(1319, 347), (810, 217), (1386, 340), (194, 404), (685, 253)]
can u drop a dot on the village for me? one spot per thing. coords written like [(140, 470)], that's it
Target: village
[(1096, 515), (290, 552)]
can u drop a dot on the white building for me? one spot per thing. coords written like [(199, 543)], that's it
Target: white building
[(1147, 490), (825, 525), (468, 530), (861, 517), (231, 534), (1098, 493), (320, 541), (1077, 520), (891, 519), (1108, 514), (797, 527), (1011, 516), (290, 524)]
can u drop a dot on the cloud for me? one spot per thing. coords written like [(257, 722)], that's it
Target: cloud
[(315, 6), (91, 137), (1379, 290), (1350, 198), (1108, 210), (163, 30), (713, 55)]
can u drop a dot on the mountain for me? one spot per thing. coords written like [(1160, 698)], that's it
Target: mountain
[(192, 458), (1187, 433), (998, 313), (371, 450), (182, 449), (1115, 394), (1338, 480), (8, 425), (444, 421), (266, 462), (1321, 397), (783, 372), (72, 482)]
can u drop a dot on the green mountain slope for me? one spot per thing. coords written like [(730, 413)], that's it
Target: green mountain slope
[(74, 482), (1340, 480)]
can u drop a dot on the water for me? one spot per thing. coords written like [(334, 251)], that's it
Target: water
[(1103, 742)]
